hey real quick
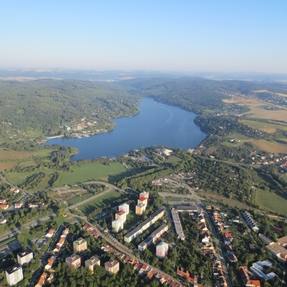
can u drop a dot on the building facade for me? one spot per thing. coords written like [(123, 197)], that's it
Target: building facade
[(24, 257), (14, 275), (80, 245)]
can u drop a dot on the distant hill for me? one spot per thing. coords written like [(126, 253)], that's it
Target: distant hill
[(43, 107)]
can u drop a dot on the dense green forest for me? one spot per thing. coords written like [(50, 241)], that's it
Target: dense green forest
[(44, 107), (198, 94)]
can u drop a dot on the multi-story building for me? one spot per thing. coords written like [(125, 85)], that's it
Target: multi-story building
[(92, 262), (80, 245), (120, 217), (142, 203), (144, 225), (112, 266), (140, 208), (117, 225), (124, 207), (279, 248), (14, 275), (162, 249), (153, 237), (74, 261), (24, 257), (177, 224), (250, 221)]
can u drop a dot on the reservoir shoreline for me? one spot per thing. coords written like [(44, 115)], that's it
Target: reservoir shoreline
[(155, 124)]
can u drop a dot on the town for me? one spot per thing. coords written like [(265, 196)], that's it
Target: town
[(143, 231)]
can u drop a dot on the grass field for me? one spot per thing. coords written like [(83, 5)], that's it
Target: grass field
[(220, 198), (101, 201), (271, 201), (86, 171)]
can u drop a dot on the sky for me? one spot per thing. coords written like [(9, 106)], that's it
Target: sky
[(160, 35)]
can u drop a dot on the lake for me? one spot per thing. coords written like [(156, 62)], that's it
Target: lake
[(156, 124)]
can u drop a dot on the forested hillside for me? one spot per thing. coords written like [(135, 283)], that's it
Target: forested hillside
[(198, 94), (43, 107)]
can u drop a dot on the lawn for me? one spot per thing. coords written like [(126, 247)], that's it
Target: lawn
[(85, 171), (271, 201)]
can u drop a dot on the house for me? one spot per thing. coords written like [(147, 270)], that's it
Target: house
[(18, 205), (50, 262), (42, 279), (14, 190), (50, 233), (3, 204), (3, 220)]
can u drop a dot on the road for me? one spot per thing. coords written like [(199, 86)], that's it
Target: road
[(122, 248), (219, 248)]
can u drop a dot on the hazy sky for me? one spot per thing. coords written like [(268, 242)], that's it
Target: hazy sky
[(179, 35)]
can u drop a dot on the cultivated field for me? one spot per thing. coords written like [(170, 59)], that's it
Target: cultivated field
[(259, 109), (265, 126), (11, 158), (270, 146)]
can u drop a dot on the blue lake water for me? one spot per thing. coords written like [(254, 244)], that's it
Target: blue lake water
[(156, 124)]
